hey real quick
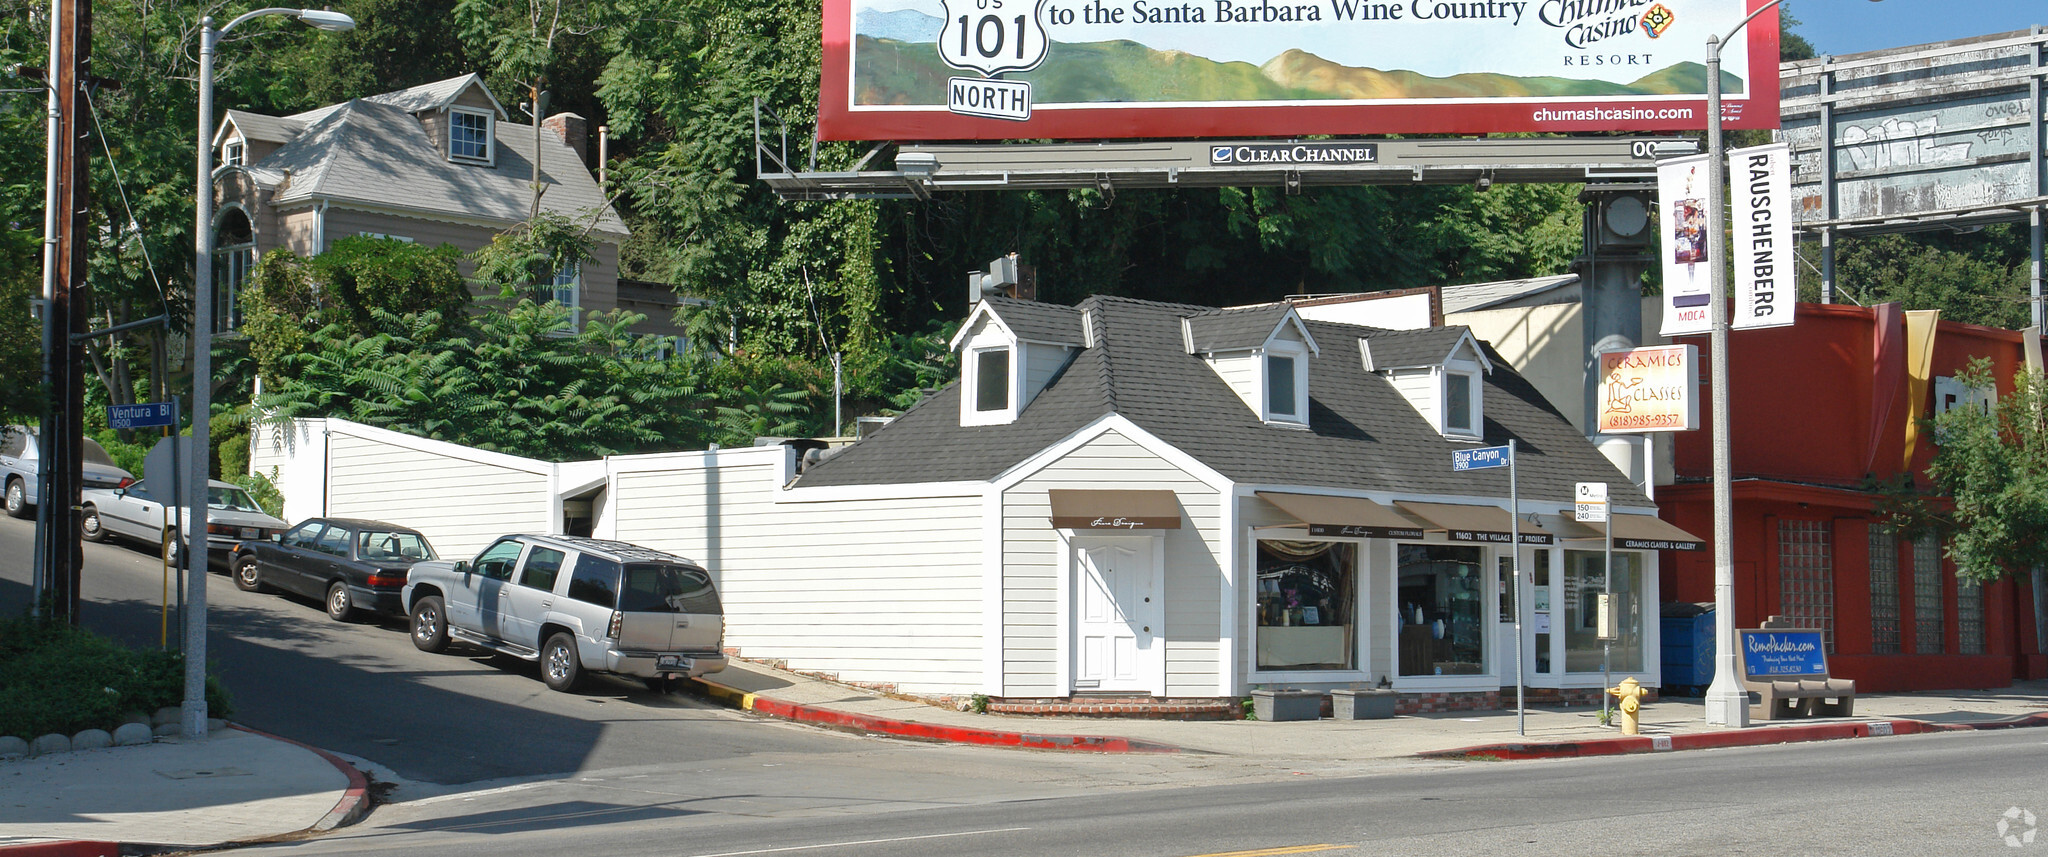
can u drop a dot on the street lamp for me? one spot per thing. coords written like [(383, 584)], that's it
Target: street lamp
[(194, 712), (1727, 701)]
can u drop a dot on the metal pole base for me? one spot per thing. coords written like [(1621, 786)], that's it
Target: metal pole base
[(1727, 706)]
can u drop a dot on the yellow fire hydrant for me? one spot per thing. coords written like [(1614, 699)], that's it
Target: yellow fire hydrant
[(1631, 693)]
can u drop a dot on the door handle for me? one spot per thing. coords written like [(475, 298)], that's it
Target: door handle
[(550, 602)]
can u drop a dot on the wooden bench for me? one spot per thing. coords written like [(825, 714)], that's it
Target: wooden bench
[(1787, 668)]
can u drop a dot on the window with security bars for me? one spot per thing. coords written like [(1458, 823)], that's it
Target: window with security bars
[(1806, 576), (1928, 624), (1884, 591), (1969, 617)]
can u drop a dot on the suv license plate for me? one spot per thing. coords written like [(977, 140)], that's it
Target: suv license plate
[(668, 662)]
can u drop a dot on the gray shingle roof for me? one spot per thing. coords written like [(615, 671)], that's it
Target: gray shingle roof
[(1404, 349), (1363, 435), (370, 152), (269, 129), (1234, 329), (1476, 296), (1039, 322)]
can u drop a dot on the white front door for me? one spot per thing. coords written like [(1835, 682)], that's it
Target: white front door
[(1116, 616)]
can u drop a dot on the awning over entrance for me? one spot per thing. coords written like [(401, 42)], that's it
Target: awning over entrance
[(1344, 516), (1114, 510), (1465, 523)]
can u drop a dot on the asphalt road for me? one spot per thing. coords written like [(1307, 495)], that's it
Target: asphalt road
[(362, 689), (1932, 795)]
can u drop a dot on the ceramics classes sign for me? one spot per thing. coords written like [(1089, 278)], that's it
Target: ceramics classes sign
[(1098, 69), (1650, 389)]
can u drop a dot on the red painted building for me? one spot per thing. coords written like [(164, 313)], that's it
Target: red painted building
[(1816, 411)]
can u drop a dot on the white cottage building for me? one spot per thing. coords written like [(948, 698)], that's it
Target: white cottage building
[(1153, 506)]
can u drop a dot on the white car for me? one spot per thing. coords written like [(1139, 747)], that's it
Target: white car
[(20, 457), (137, 512)]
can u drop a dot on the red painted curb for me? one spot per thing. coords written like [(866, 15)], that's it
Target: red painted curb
[(949, 734), (63, 849), (355, 800)]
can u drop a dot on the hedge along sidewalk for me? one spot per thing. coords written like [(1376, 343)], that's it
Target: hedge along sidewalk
[(58, 679)]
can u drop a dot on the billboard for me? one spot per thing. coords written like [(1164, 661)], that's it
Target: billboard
[(1098, 69), (1650, 389)]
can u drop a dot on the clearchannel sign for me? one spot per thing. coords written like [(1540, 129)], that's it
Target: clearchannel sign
[(1096, 69), (1267, 154)]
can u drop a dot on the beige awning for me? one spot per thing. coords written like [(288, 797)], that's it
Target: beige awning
[(1631, 532), (1114, 510), (1344, 516), (1466, 523)]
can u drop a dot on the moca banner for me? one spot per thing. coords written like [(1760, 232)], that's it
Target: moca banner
[(1096, 69), (1760, 219), (1650, 389), (1688, 273)]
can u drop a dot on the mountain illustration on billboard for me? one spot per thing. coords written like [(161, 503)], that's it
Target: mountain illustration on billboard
[(899, 65)]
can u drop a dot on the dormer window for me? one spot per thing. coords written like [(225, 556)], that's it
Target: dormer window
[(992, 380), (233, 154), (1459, 416), (469, 135), (1280, 385)]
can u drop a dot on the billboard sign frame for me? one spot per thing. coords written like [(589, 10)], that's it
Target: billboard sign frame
[(1555, 66)]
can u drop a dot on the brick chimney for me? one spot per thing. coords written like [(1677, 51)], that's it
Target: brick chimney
[(573, 129)]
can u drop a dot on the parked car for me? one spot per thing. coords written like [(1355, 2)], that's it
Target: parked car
[(353, 565), (575, 605), (137, 512), (20, 454)]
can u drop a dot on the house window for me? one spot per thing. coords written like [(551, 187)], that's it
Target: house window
[(1280, 386), (1806, 576), (1306, 595), (386, 236), (1441, 592), (232, 154), (992, 380), (1929, 628), (1884, 591), (233, 255), (469, 135), (1458, 416), (568, 285)]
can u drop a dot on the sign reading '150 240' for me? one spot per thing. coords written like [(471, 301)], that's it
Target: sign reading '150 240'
[(1263, 68)]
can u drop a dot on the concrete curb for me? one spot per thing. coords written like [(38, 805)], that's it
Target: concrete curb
[(355, 800), (926, 731), (1727, 738)]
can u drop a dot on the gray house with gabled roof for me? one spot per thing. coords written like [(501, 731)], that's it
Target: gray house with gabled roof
[(1120, 503), (438, 163)]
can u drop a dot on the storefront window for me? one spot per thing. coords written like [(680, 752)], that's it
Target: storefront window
[(1441, 610), (1307, 605), (1583, 580)]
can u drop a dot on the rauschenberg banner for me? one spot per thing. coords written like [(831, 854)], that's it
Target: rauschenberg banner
[(1064, 69), (1760, 217), (1688, 274)]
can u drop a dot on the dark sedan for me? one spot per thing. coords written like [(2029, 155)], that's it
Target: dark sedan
[(352, 565)]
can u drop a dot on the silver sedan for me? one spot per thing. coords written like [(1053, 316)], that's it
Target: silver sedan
[(138, 513)]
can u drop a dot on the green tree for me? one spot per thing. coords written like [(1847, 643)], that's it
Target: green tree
[(1993, 464), (1977, 278)]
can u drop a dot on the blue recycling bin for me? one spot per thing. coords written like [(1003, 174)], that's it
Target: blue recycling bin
[(1688, 651)]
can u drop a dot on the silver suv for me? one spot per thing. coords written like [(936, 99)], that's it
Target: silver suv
[(575, 605)]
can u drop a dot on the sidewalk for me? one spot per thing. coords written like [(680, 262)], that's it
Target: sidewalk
[(241, 786)]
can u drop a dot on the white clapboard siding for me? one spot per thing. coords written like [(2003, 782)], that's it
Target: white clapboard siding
[(1041, 362), (1419, 387), (1194, 570), (443, 490), (1240, 370), (876, 591)]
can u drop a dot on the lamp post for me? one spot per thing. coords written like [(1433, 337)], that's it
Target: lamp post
[(1727, 701), (193, 718)]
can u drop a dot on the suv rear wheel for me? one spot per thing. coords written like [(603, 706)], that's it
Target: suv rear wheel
[(558, 663), (429, 624)]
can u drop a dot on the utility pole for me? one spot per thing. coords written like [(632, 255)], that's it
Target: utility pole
[(66, 299)]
